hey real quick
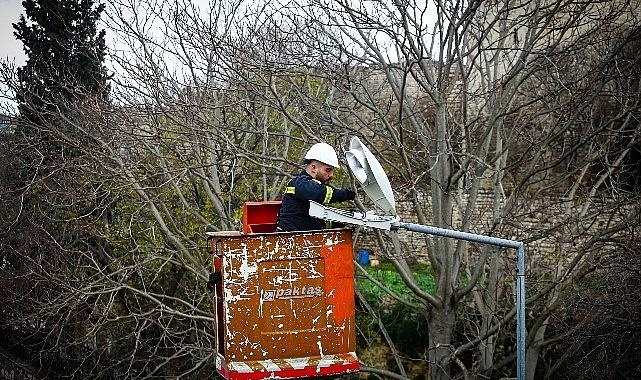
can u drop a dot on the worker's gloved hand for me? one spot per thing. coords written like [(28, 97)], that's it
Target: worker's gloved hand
[(214, 278), (350, 194)]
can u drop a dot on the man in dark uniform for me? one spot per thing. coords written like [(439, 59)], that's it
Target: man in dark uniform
[(312, 184)]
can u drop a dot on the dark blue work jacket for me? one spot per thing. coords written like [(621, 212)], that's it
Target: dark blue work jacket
[(294, 211)]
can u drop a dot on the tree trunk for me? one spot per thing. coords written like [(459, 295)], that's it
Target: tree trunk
[(533, 350), (441, 324)]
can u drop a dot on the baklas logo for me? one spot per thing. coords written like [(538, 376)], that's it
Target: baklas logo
[(292, 293)]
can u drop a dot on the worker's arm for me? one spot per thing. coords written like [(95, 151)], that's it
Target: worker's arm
[(311, 189)]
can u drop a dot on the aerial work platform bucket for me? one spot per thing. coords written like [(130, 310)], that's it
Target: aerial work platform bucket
[(285, 304)]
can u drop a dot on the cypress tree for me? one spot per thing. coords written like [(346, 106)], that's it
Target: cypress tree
[(65, 61)]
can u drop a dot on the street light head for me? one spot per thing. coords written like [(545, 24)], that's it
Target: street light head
[(371, 176)]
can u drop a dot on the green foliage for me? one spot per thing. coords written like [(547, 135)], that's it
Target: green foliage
[(406, 326), (388, 276), (591, 283), (65, 55)]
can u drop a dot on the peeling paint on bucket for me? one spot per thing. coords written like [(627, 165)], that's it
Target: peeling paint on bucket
[(285, 304)]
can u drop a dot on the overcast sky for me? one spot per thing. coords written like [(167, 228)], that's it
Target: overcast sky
[(11, 48)]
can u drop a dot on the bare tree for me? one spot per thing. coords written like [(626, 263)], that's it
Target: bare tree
[(210, 107), (193, 130), (479, 99)]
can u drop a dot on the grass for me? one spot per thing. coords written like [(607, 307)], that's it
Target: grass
[(406, 326), (387, 275)]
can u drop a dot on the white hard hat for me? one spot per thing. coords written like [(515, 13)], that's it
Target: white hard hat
[(324, 153)]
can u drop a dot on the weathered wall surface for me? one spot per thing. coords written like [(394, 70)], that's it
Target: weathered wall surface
[(414, 244)]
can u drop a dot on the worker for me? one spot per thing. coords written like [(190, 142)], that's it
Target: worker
[(311, 184)]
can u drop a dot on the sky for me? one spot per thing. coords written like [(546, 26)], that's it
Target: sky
[(10, 48)]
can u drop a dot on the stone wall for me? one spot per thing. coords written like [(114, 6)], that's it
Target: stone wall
[(531, 223)]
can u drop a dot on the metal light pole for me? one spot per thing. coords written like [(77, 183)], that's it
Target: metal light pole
[(372, 178), (520, 276)]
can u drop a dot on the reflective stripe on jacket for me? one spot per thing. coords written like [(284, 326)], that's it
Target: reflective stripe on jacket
[(294, 211)]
